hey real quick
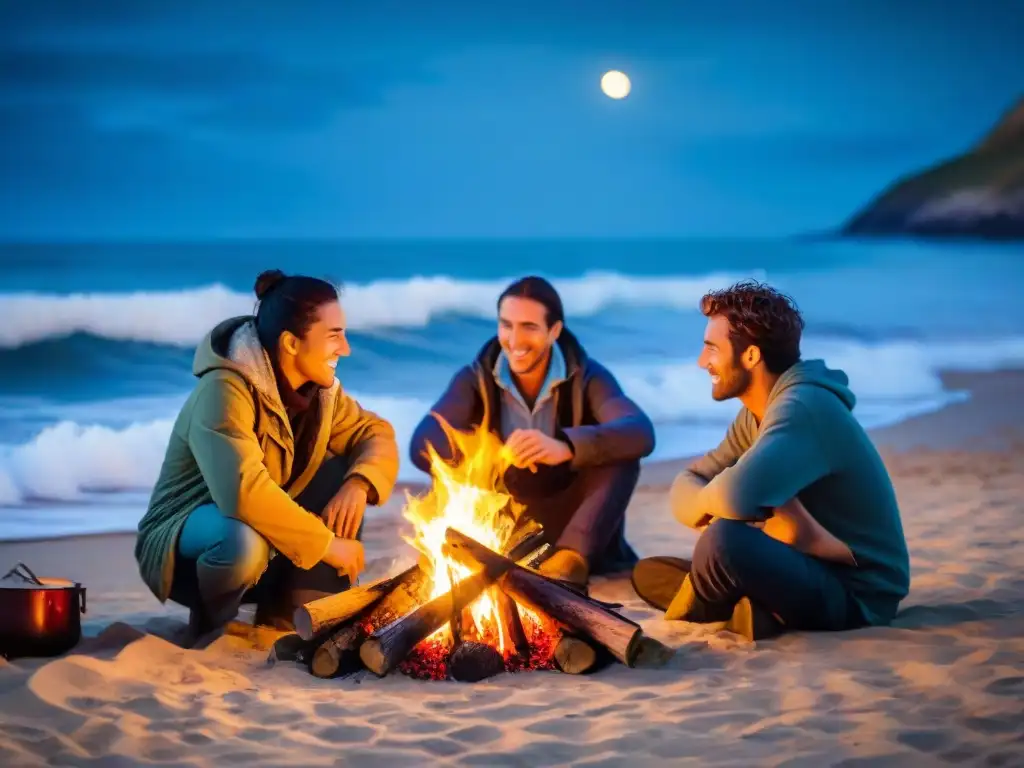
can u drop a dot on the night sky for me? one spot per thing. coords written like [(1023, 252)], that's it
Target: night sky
[(338, 118)]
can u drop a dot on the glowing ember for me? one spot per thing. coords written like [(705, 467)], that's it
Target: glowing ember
[(471, 498), (429, 659)]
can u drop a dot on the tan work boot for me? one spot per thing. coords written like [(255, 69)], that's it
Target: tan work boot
[(567, 565)]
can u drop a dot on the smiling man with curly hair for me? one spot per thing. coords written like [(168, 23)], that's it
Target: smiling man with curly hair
[(799, 523)]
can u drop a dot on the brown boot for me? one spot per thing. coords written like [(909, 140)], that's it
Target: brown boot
[(688, 606), (657, 580), (746, 618), (753, 622), (567, 565)]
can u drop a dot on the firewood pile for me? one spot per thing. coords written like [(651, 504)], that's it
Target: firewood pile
[(393, 624)]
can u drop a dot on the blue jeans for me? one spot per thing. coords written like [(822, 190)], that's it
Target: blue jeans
[(733, 560), (222, 563)]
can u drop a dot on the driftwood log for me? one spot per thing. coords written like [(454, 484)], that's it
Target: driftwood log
[(527, 536), (386, 647), (340, 652), (472, 662), (583, 616), (574, 656), (318, 616), (338, 625), (469, 661), (512, 624)]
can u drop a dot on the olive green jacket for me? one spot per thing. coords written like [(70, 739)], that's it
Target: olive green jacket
[(232, 445)]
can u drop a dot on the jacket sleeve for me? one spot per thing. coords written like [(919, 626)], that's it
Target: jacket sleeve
[(689, 483), (623, 432), (459, 406), (230, 458), (785, 459), (368, 441)]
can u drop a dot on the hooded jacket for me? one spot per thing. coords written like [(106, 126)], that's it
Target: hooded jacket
[(809, 446), (232, 445), (593, 414)]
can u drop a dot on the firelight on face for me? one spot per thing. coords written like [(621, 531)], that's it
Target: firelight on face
[(322, 346), (721, 360), (524, 334)]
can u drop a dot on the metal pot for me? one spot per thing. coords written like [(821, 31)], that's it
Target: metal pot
[(39, 617)]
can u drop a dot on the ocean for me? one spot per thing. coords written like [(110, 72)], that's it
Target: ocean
[(96, 340)]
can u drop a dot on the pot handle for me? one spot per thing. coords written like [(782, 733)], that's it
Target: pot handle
[(17, 571), (81, 591)]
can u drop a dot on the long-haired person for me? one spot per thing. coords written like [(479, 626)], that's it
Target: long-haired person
[(269, 467)]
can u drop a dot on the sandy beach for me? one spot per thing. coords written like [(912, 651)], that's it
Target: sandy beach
[(943, 684)]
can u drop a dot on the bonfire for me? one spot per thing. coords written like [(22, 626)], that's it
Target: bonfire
[(473, 605)]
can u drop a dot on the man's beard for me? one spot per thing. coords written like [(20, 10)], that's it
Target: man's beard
[(734, 385)]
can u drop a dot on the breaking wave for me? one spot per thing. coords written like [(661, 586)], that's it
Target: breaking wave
[(93, 452), (183, 317)]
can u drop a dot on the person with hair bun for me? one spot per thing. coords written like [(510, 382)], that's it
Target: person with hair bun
[(800, 526), (575, 438), (269, 467)]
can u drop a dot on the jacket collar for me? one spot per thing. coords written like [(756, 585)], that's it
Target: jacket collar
[(253, 361), (556, 374)]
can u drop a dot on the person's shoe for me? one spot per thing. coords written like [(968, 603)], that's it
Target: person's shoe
[(688, 606), (567, 565), (201, 632), (656, 580), (753, 622)]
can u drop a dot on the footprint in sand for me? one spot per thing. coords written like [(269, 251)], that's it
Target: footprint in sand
[(476, 734), (924, 741), (435, 747), (1006, 686), (563, 728), (195, 738), (346, 734), (403, 723), (994, 725)]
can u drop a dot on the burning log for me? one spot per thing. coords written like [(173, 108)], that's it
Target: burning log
[(340, 651), (512, 624), (456, 622), (387, 646), (317, 616), (526, 540), (576, 611), (468, 662), (472, 662)]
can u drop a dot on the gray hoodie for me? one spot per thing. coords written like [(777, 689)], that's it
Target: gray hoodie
[(809, 446)]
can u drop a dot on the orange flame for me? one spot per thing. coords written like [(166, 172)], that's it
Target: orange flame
[(469, 496)]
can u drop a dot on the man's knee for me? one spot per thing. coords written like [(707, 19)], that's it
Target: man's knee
[(241, 551), (721, 543)]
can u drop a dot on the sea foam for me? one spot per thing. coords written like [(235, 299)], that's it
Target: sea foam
[(183, 317), (72, 459)]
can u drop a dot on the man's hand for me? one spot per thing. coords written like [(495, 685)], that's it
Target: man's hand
[(530, 447), (344, 513), (792, 524), (345, 556)]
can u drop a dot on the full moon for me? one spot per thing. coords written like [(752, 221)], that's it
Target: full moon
[(615, 84)]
